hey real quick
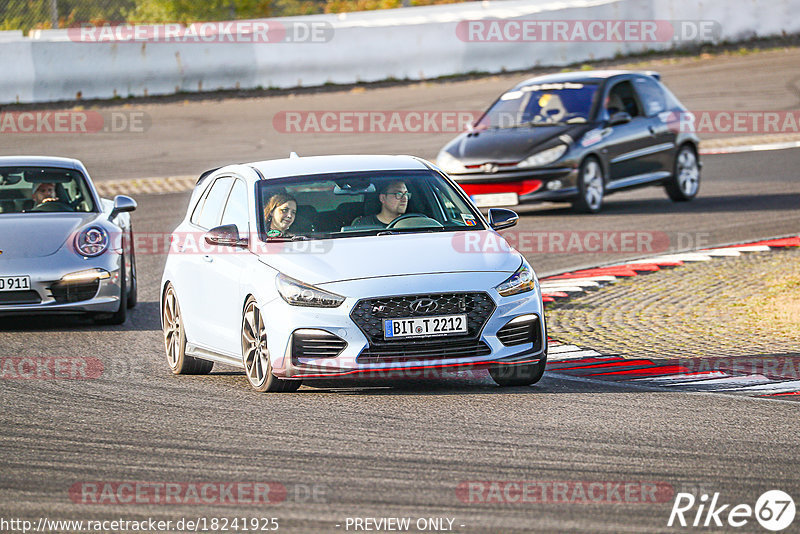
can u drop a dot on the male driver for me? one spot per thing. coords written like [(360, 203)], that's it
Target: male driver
[(44, 192), (394, 198)]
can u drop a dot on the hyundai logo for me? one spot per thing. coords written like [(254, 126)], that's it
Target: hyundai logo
[(424, 305)]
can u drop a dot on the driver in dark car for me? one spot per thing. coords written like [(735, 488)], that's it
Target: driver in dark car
[(394, 197)]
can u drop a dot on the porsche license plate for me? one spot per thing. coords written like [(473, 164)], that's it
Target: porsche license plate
[(15, 283), (424, 326)]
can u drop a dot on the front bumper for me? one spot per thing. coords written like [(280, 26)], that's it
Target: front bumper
[(49, 295), (288, 320), (565, 180)]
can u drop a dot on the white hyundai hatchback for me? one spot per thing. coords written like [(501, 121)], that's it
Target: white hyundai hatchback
[(346, 266)]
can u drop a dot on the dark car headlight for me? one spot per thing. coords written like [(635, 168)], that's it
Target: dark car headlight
[(91, 241), (522, 281), (298, 293), (544, 157), (449, 163)]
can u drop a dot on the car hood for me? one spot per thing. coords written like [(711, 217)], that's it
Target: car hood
[(336, 260), (504, 145), (34, 235)]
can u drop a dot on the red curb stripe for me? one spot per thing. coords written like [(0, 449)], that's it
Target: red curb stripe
[(620, 363), (785, 242), (547, 299), (557, 294), (606, 271), (591, 359), (649, 267), (665, 370), (781, 394)]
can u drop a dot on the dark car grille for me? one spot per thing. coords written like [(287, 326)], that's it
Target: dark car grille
[(439, 350), (316, 344), (368, 314), (20, 297), (518, 332), (65, 293)]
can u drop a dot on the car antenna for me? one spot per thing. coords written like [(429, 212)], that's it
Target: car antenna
[(293, 155)]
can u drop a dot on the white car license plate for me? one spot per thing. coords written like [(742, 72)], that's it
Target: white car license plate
[(495, 199), (424, 326), (15, 283)]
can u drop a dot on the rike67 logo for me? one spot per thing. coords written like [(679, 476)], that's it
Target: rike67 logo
[(774, 510)]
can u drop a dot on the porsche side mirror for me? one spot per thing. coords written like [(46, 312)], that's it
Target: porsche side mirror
[(122, 204)]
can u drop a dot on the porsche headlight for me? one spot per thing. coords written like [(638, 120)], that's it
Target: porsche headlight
[(523, 280), (544, 157), (91, 241), (297, 293), (448, 163)]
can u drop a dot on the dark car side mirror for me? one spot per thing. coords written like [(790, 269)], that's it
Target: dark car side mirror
[(226, 235), (500, 218), (619, 117), (122, 204)]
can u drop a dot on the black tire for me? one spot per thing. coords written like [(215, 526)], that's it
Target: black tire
[(255, 355), (133, 290), (119, 316), (175, 338), (518, 375), (684, 183), (591, 187)]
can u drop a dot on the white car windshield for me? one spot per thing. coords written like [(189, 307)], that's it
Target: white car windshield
[(43, 189), (362, 203)]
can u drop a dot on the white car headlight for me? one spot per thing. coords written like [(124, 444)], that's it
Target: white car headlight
[(297, 293), (448, 163), (91, 241), (544, 157), (523, 280)]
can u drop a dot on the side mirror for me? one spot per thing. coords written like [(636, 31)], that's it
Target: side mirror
[(122, 204), (500, 218), (620, 117), (226, 235)]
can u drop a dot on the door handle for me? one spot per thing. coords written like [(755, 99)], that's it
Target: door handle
[(208, 258)]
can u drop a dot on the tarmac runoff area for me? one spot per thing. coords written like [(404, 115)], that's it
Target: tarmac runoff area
[(716, 320)]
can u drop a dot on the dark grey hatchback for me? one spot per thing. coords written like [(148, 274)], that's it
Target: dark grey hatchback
[(577, 137)]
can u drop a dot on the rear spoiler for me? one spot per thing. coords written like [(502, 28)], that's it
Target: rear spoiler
[(205, 174)]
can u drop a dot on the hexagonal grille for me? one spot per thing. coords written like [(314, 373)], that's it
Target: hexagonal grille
[(368, 314)]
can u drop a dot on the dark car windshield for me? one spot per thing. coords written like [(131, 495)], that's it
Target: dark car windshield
[(541, 104), (43, 189), (348, 204)]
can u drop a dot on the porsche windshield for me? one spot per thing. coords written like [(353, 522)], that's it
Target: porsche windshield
[(361, 203), (43, 189), (542, 105)]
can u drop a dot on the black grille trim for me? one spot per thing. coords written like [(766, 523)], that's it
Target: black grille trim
[(368, 314), (310, 344), (520, 332), (439, 350), (20, 297), (65, 293)]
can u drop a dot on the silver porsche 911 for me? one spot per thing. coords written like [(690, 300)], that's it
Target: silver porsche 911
[(63, 249)]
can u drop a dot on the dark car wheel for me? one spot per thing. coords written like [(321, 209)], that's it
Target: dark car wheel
[(133, 288), (255, 354), (591, 187), (518, 375), (175, 339), (685, 180)]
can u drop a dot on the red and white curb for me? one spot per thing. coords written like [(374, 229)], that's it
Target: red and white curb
[(737, 375)]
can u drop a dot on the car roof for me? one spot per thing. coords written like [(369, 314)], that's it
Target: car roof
[(40, 161), (582, 76), (299, 166)]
